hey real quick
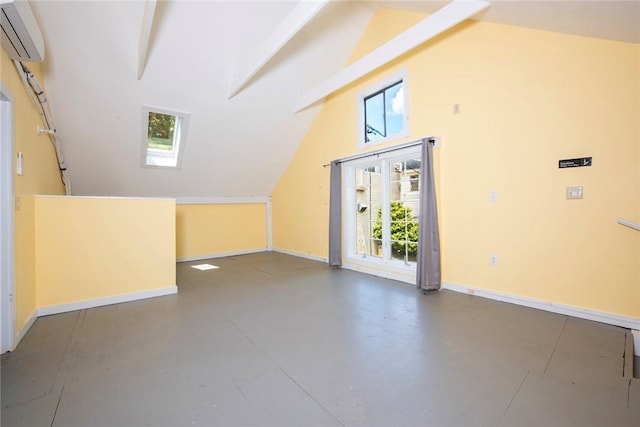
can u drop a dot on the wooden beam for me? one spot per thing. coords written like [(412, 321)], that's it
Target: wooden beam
[(440, 21), (300, 16), (145, 34)]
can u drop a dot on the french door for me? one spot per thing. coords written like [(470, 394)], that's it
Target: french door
[(380, 213)]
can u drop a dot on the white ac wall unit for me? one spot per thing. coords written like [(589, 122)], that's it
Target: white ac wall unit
[(21, 36)]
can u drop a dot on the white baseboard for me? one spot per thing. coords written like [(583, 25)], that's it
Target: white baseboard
[(220, 255), (300, 255), (636, 342), (24, 329), (583, 313), (81, 305)]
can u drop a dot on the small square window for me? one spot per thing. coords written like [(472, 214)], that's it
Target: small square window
[(164, 134), (382, 111)]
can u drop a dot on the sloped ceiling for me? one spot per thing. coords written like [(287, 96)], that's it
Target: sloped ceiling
[(605, 19), (239, 146)]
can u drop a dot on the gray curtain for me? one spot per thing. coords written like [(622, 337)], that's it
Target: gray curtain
[(335, 215), (428, 271)]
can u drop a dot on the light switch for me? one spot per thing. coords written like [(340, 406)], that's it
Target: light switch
[(574, 192), (493, 196), (19, 164)]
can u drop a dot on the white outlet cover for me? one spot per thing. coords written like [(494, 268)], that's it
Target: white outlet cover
[(574, 192), (19, 164), (493, 196)]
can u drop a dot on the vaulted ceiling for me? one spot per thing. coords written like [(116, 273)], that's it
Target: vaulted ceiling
[(237, 146)]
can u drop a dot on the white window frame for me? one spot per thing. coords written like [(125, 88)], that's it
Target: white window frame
[(390, 80), (387, 266), (180, 137)]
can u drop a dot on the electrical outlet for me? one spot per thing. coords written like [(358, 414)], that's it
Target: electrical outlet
[(493, 260), (574, 192), (19, 164), (493, 196)]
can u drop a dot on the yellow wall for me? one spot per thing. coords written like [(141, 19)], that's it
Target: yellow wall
[(527, 99), (90, 248), (214, 229), (40, 176)]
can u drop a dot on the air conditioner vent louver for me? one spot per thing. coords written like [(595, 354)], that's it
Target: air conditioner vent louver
[(21, 36)]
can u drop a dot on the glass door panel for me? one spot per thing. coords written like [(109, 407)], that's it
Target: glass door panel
[(368, 198), (381, 209), (404, 198)]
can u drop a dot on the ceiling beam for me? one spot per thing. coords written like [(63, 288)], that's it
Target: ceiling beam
[(257, 58), (145, 34), (436, 23)]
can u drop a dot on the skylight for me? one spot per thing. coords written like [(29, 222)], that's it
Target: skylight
[(163, 136)]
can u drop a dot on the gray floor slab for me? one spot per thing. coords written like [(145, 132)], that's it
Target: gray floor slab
[(547, 401), (30, 413), (588, 352), (33, 370), (273, 340)]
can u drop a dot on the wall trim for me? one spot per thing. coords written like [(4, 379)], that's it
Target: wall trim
[(220, 255), (98, 302), (63, 196), (636, 342), (582, 313), (269, 224), (24, 329), (300, 255), (8, 339), (222, 200)]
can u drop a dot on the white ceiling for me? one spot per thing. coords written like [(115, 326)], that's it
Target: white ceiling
[(608, 19), (237, 147)]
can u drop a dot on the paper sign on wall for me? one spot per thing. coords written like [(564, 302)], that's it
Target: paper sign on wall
[(575, 163)]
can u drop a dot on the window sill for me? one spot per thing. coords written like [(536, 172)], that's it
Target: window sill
[(392, 269)]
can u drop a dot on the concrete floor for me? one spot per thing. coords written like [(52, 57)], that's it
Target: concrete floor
[(270, 339)]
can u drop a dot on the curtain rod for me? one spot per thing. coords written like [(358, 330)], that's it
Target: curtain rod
[(431, 139)]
